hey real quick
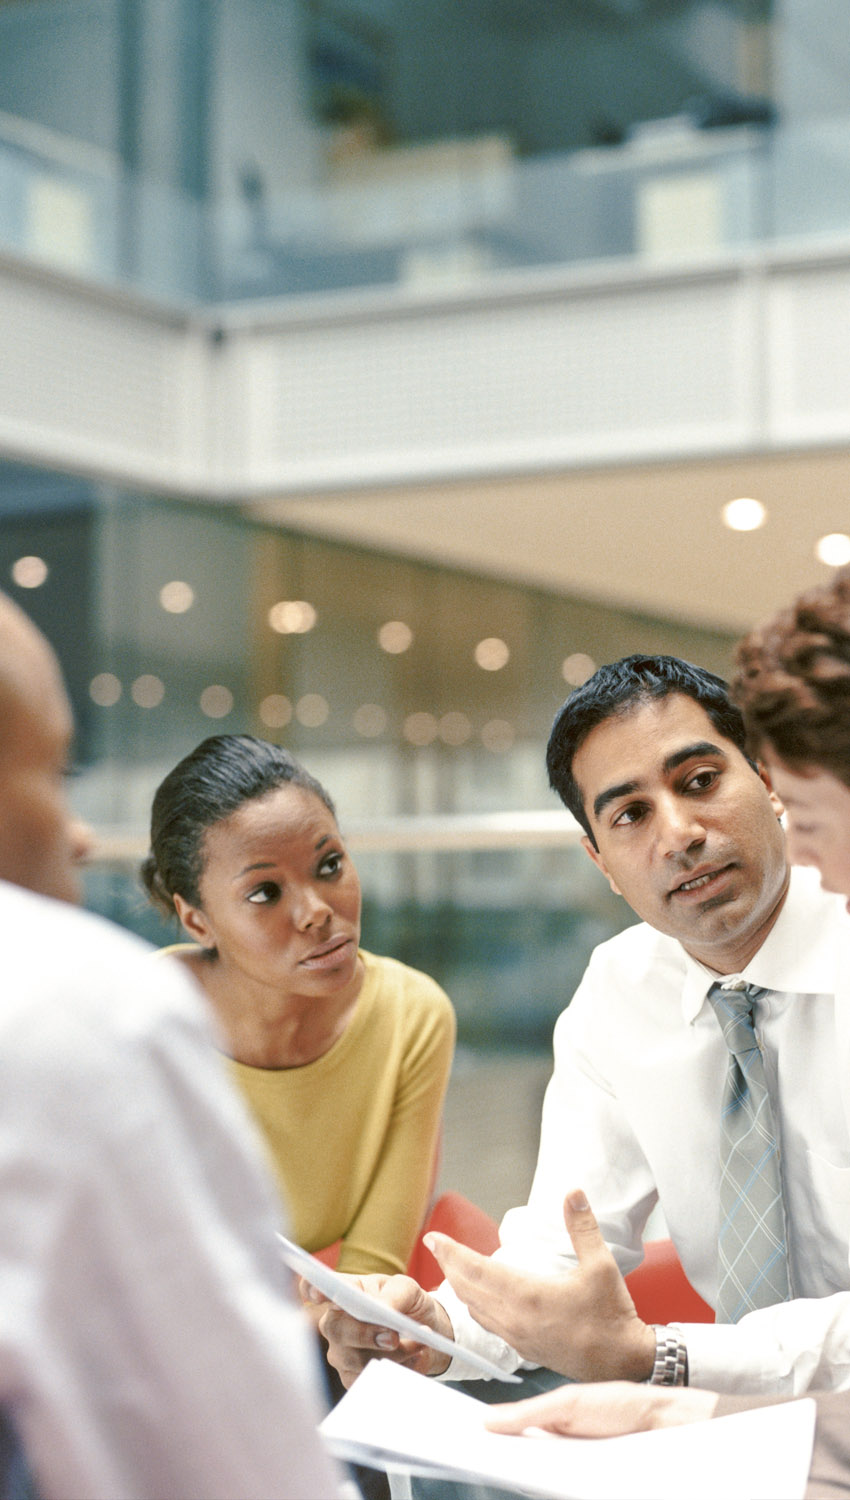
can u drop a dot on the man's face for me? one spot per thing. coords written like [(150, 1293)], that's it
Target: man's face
[(687, 832), (40, 842), (817, 807)]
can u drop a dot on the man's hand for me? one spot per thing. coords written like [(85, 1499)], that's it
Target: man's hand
[(605, 1410), (352, 1344), (582, 1324)]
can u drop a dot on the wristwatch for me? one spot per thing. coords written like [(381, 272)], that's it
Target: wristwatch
[(671, 1359)]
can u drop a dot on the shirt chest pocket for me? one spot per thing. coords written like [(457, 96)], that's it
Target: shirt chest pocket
[(831, 1219)]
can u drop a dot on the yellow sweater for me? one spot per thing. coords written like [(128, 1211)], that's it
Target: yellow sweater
[(353, 1135)]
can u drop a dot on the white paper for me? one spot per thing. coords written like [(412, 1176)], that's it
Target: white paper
[(394, 1417), (342, 1291)]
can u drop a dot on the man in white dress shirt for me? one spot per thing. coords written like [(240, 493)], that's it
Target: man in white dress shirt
[(149, 1346), (793, 684), (649, 755)]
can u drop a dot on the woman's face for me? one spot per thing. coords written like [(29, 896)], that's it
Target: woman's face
[(817, 807), (280, 899)]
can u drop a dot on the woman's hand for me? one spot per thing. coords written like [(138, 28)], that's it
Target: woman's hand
[(351, 1344)]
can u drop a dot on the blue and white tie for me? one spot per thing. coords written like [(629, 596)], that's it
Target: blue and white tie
[(752, 1245)]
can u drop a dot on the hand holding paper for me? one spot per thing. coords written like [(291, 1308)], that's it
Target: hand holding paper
[(402, 1322)]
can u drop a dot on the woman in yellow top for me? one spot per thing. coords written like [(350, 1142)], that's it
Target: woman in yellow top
[(343, 1057)]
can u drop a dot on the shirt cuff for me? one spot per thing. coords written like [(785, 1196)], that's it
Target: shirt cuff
[(470, 1335)]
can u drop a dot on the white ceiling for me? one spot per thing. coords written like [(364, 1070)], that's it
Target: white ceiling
[(647, 538)]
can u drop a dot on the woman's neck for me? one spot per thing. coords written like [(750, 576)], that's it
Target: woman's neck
[(265, 1029)]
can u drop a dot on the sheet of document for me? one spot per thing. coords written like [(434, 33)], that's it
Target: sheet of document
[(368, 1309), (393, 1416)]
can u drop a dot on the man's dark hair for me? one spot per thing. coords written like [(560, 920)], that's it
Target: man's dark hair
[(619, 688), (793, 681)]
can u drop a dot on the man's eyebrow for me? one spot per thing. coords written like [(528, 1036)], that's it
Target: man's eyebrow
[(678, 758), (611, 793), (700, 747)]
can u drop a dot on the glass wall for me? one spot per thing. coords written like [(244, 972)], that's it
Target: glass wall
[(224, 149), (414, 692)]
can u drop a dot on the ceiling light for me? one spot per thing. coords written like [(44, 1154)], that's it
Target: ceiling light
[(292, 617), (29, 572), (492, 654), (147, 691), (312, 710), (834, 549), (577, 668), (176, 597), (744, 515), (455, 729), (216, 701), (105, 689), (370, 720), (275, 711), (420, 729), (395, 637)]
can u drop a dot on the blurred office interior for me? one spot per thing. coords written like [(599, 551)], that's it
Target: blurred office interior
[(371, 370)]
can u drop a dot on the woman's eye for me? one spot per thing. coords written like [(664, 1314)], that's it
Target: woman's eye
[(331, 865), (263, 894)]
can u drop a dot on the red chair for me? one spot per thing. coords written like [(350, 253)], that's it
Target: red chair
[(464, 1221), (452, 1214), (661, 1291)]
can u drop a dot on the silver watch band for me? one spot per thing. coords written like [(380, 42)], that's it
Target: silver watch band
[(671, 1359)]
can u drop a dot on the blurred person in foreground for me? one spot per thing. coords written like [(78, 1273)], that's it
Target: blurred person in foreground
[(793, 685), (148, 1342), (650, 757)]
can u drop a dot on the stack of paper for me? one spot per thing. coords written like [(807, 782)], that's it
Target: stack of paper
[(394, 1418)]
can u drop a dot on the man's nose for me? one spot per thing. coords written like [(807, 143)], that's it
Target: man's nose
[(680, 826)]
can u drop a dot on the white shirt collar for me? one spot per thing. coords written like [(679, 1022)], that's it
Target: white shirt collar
[(798, 955)]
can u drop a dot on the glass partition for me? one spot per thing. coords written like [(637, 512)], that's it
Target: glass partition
[(421, 696), (297, 147)]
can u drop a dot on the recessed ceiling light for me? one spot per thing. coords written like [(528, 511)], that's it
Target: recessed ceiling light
[(292, 617), (176, 597), (394, 637), (744, 515), (370, 720), (30, 572), (420, 728), (577, 668), (312, 710), (148, 691), (275, 710), (834, 549), (492, 654), (105, 689), (216, 701)]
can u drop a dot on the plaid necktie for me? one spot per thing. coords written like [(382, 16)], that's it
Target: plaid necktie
[(752, 1247)]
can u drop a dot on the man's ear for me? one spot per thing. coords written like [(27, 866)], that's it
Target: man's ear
[(589, 848), (764, 775), (194, 922)]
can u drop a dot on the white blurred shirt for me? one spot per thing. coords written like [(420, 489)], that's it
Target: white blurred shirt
[(148, 1343), (632, 1116)]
